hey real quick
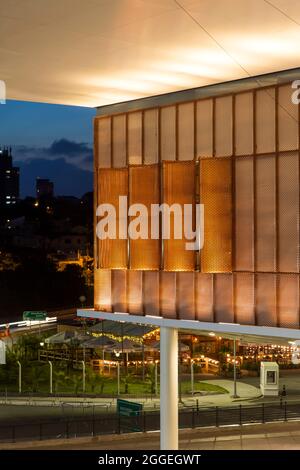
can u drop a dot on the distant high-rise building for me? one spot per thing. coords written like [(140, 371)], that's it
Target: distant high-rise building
[(44, 188), (9, 179)]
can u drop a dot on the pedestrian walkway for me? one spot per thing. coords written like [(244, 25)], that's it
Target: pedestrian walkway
[(244, 390)]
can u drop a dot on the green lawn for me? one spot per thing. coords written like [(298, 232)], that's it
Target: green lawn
[(104, 385), (203, 387)]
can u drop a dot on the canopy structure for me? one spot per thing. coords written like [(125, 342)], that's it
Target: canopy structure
[(127, 346), (100, 342), (120, 329), (98, 52), (66, 337)]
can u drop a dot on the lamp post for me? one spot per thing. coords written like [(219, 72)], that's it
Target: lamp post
[(51, 377), (192, 377), (42, 345), (118, 377), (83, 376), (20, 376), (155, 378), (82, 299), (235, 395)]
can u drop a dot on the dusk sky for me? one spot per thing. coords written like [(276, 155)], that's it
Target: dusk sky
[(50, 141)]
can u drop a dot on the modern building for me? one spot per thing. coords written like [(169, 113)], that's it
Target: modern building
[(235, 149), (44, 188), (9, 179), (192, 110)]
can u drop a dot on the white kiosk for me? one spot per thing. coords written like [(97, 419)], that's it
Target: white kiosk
[(269, 378)]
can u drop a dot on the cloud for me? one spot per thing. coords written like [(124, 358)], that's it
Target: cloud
[(77, 154), (67, 163), (67, 147)]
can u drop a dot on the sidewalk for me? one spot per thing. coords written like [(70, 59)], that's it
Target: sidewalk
[(245, 392)]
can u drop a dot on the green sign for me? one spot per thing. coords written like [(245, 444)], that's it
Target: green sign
[(128, 408), (34, 316), (129, 415)]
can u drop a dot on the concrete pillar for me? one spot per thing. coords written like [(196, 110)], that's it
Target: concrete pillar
[(168, 388)]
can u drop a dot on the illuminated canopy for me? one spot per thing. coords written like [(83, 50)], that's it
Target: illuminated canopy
[(97, 52)]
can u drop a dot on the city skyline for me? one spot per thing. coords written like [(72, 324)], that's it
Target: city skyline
[(49, 141)]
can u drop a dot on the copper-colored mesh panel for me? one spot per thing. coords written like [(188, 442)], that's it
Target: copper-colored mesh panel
[(168, 133), (223, 298), (135, 292), (244, 124), (135, 138), (112, 183), (244, 298), (168, 294), (151, 136), (178, 187), (265, 120), (185, 296), (288, 295), (205, 128), (119, 296), (102, 289), (265, 295), (223, 126), (119, 141), (287, 119), (288, 210), (151, 292), (265, 213), (144, 189), (186, 131), (204, 301), (103, 136), (244, 214), (215, 190)]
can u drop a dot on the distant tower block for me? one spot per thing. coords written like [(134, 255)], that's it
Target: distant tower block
[(44, 188), (9, 179)]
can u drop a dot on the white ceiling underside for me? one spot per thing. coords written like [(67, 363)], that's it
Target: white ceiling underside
[(98, 52)]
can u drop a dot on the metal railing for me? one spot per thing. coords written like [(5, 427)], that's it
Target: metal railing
[(112, 423)]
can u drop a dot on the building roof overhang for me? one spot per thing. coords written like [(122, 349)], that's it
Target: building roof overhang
[(99, 52)]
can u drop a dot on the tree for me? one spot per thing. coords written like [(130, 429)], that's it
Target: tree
[(150, 376), (35, 376), (95, 381)]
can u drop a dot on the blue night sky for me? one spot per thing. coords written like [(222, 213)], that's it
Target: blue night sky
[(50, 141)]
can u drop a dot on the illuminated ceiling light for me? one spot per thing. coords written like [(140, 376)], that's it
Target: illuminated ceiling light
[(212, 334), (270, 45)]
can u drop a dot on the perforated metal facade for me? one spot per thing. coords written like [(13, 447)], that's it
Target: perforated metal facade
[(238, 154)]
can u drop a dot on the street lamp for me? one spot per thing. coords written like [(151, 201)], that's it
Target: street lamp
[(51, 377), (235, 395), (82, 299), (118, 377), (39, 352), (192, 377), (20, 376), (155, 375), (83, 376)]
